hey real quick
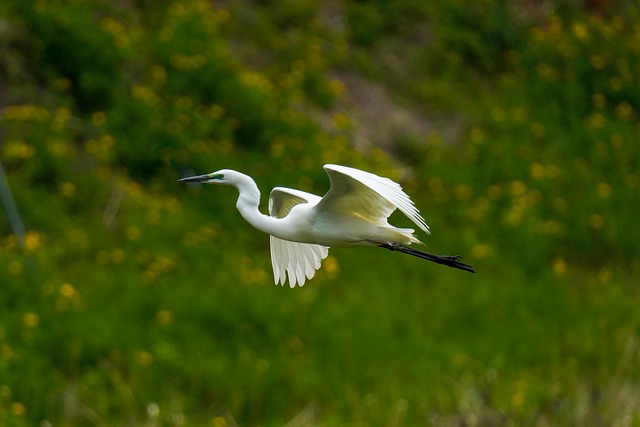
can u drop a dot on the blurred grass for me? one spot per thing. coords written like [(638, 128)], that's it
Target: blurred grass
[(149, 303)]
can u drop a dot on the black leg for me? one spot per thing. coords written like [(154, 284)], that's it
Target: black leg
[(448, 260)]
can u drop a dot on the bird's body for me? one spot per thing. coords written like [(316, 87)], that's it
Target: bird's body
[(303, 226)]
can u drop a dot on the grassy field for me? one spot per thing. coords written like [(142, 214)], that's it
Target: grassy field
[(129, 299)]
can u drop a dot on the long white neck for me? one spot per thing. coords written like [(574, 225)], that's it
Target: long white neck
[(248, 205)]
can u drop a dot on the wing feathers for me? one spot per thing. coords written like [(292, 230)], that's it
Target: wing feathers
[(381, 193), (298, 261), (282, 200), (352, 192)]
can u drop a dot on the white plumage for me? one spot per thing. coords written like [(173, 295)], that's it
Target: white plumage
[(303, 226)]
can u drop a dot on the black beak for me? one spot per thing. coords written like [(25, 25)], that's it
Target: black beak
[(198, 178)]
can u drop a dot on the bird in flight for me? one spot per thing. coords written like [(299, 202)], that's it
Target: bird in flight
[(302, 226)]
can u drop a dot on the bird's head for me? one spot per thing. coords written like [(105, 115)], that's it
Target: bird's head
[(223, 177)]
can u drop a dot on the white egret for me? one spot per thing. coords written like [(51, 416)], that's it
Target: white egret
[(303, 226)]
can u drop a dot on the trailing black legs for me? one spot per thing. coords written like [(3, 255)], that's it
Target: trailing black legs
[(448, 260)]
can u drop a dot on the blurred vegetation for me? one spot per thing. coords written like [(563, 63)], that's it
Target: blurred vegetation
[(132, 300)]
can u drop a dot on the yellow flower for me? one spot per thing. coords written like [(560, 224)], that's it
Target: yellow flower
[(6, 352), (498, 114), (132, 233), (182, 102), (603, 190), (537, 171), (148, 277), (219, 421), (158, 74), (546, 72), (598, 62), (615, 83), (462, 192), (18, 409), (222, 15), (331, 265), (605, 275), (112, 26), (624, 111), (14, 267), (481, 251), (549, 227), (494, 192), (514, 216), (520, 395), (257, 80), (102, 257), (61, 118), (59, 147), (118, 256), (98, 118), (580, 30), (277, 148), (164, 317), (599, 100), (518, 188), (336, 87), (68, 291), (519, 114), (596, 221), (618, 22), (67, 189), (616, 141), (177, 9), (476, 135), (216, 111), (145, 94), (559, 267), (30, 320), (17, 149), (537, 129), (143, 357), (340, 121), (560, 204), (32, 241), (62, 84), (596, 121)]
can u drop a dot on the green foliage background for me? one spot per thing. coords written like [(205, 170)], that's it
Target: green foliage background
[(132, 300)]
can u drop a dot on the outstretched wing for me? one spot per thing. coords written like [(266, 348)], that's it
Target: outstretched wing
[(297, 260), (361, 193), (282, 200)]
